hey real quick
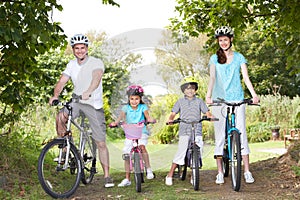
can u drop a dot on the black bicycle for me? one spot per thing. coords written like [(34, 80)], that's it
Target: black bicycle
[(232, 157), (62, 164), (193, 158)]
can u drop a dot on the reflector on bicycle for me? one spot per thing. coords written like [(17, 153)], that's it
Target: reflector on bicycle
[(133, 131)]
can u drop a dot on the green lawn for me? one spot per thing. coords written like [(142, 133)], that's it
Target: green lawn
[(161, 155)]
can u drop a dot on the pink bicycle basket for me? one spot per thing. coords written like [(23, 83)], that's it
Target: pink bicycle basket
[(133, 131)]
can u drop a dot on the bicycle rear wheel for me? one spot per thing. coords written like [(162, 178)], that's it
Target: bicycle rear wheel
[(55, 180), (195, 166), (88, 155), (137, 172), (225, 160), (236, 161)]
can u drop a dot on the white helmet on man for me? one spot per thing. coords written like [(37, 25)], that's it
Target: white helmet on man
[(79, 39)]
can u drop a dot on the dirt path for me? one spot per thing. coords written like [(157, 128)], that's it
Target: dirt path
[(274, 180)]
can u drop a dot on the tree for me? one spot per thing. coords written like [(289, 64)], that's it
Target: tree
[(26, 31), (177, 60), (279, 22)]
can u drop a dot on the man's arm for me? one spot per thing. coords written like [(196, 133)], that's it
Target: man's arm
[(59, 87), (96, 79)]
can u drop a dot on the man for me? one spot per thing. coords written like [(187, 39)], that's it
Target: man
[(86, 75)]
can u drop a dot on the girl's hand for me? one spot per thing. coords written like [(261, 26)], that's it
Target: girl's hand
[(113, 124)]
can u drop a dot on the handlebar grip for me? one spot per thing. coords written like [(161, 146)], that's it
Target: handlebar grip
[(55, 102)]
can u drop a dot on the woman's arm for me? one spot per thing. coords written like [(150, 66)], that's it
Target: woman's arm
[(248, 83), (212, 77)]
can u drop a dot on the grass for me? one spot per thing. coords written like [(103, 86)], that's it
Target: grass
[(161, 158), (161, 155)]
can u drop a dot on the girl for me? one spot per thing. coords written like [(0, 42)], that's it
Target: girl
[(225, 83), (134, 112)]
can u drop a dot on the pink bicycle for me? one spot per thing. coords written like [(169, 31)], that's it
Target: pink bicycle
[(134, 132)]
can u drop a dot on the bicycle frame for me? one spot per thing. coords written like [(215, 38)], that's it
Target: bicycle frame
[(136, 149), (229, 128)]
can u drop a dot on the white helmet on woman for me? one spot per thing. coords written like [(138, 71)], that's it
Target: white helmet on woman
[(224, 31), (79, 39)]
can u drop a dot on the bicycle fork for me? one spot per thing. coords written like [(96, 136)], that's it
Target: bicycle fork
[(131, 158), (64, 152)]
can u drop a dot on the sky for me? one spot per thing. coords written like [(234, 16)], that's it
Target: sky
[(80, 16)]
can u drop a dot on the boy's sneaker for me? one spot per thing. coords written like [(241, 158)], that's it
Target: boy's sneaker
[(124, 183), (220, 178), (109, 182), (150, 174), (169, 180), (248, 177)]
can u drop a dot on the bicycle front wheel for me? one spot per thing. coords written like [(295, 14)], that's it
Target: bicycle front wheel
[(88, 155), (225, 160), (195, 167), (236, 161), (137, 172), (59, 180)]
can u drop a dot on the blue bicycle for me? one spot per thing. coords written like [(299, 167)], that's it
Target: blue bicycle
[(232, 157)]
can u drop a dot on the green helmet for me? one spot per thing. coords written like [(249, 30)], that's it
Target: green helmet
[(189, 80)]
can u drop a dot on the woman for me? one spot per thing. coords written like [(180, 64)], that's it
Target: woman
[(225, 67)]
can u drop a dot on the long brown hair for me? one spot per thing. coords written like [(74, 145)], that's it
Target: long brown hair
[(221, 56)]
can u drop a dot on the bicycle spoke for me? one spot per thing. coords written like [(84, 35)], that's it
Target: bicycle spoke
[(57, 181)]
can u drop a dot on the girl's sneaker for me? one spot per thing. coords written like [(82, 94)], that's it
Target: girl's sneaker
[(169, 180), (124, 183), (150, 174)]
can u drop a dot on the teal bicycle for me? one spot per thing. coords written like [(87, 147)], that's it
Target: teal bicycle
[(232, 158)]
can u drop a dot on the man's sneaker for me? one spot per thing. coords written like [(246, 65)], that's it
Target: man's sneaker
[(220, 178), (169, 180), (109, 182), (248, 177), (124, 183), (150, 174)]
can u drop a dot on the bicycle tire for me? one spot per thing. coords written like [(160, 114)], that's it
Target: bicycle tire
[(56, 181), (225, 160), (195, 167), (137, 172), (236, 161), (183, 169), (88, 160)]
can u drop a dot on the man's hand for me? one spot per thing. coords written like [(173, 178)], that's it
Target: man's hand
[(86, 95), (52, 99)]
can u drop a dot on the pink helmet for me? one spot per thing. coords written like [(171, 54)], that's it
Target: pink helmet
[(135, 90)]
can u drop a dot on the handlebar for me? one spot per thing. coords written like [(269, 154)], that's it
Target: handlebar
[(75, 98), (244, 101), (141, 122), (204, 118)]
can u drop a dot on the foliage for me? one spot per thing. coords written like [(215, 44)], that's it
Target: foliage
[(267, 65), (26, 31), (266, 31), (183, 59)]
